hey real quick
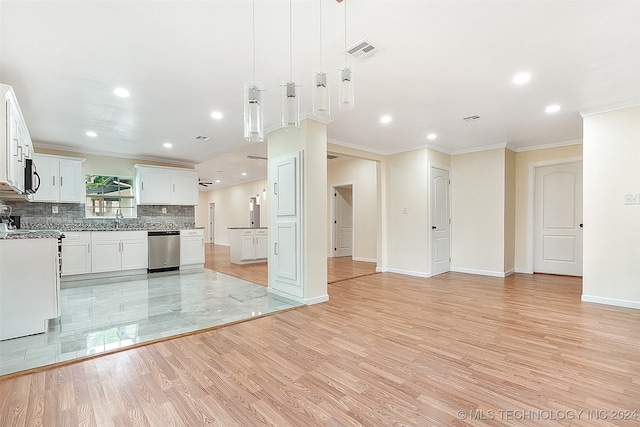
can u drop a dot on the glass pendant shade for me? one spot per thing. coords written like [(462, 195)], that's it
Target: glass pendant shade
[(346, 100), (321, 97), (290, 106), (253, 112)]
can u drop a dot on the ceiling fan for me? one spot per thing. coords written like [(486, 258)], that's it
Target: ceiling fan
[(204, 183)]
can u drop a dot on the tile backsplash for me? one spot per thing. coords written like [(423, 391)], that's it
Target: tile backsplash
[(72, 216)]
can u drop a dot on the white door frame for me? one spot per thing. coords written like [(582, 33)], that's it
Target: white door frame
[(211, 222), (531, 202), (334, 234), (431, 236)]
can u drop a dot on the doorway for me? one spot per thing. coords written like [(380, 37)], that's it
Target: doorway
[(342, 233), (211, 223), (558, 219), (439, 189)]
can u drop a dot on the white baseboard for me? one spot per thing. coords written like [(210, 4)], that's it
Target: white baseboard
[(307, 301), (357, 258), (611, 301), (405, 272), (524, 271), (317, 300), (483, 272)]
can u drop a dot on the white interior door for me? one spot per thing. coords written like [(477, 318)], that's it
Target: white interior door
[(285, 260), (343, 221), (558, 219), (440, 221)]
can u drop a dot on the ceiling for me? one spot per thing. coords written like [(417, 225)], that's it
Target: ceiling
[(440, 61)]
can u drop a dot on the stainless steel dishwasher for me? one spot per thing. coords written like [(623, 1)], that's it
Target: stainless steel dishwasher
[(164, 250)]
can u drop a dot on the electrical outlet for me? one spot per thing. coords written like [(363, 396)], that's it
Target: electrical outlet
[(405, 211), (54, 209), (632, 199), (164, 210)]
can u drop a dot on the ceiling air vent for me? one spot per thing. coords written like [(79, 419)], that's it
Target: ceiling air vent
[(363, 50), (202, 138), (471, 118)]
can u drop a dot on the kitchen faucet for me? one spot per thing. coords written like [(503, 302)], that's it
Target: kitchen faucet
[(119, 216)]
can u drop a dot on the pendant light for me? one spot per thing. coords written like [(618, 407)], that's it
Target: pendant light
[(290, 98), (320, 85), (345, 91), (253, 99)]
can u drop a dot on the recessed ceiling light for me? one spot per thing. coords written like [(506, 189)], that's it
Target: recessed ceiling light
[(218, 181), (244, 174), (432, 136), (552, 108), (167, 145), (521, 78), (385, 119), (121, 92), (216, 115), (91, 133)]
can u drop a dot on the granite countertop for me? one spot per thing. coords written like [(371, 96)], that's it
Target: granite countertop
[(30, 234)]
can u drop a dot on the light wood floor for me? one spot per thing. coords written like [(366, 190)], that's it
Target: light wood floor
[(218, 259), (385, 350)]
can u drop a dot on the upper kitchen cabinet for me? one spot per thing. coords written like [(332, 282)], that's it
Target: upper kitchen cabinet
[(61, 179), (15, 144), (157, 185)]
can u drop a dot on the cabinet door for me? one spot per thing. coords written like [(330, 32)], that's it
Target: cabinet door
[(154, 186), (135, 250), (191, 250), (105, 252), (184, 188), (48, 169), (262, 245), (248, 251), (71, 184), (76, 253), (15, 148)]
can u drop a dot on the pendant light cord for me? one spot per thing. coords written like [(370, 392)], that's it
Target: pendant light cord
[(345, 34), (320, 1), (253, 35), (290, 44)]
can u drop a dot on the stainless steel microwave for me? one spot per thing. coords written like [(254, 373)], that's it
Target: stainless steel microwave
[(31, 177)]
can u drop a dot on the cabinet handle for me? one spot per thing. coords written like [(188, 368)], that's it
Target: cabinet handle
[(275, 188), (174, 188), (21, 155), (88, 248), (275, 248), (142, 185), (54, 181), (60, 181), (203, 241)]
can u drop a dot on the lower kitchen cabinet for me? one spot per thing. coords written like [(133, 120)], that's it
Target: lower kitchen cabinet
[(192, 247), (76, 253), (29, 295), (118, 250), (249, 245)]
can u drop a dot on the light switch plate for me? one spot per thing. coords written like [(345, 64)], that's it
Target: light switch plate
[(632, 199), (405, 210), (54, 209), (164, 210)]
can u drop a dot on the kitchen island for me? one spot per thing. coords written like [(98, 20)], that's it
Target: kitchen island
[(248, 244), (29, 281)]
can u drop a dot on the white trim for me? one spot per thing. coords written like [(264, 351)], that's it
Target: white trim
[(483, 272), (431, 165), (611, 107), (357, 258), (531, 200), (611, 301), (317, 300), (483, 148), (404, 272), (524, 270), (334, 219), (356, 147), (552, 145)]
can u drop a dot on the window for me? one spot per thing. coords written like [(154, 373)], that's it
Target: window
[(109, 196)]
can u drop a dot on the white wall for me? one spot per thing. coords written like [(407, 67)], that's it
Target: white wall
[(478, 212), (362, 175), (611, 272), (232, 208)]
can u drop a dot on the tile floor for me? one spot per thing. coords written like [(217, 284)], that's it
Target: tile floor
[(106, 314)]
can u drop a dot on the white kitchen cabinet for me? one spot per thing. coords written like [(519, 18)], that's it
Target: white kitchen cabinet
[(15, 143), (61, 179), (76, 253), (156, 185), (28, 296), (191, 247), (118, 251), (249, 245)]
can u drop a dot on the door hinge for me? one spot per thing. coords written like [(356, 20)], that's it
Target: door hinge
[(449, 182), (335, 249), (335, 194)]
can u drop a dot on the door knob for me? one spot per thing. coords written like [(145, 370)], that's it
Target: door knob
[(581, 225), (433, 227)]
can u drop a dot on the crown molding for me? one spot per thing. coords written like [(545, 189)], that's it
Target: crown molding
[(552, 145), (610, 107)]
